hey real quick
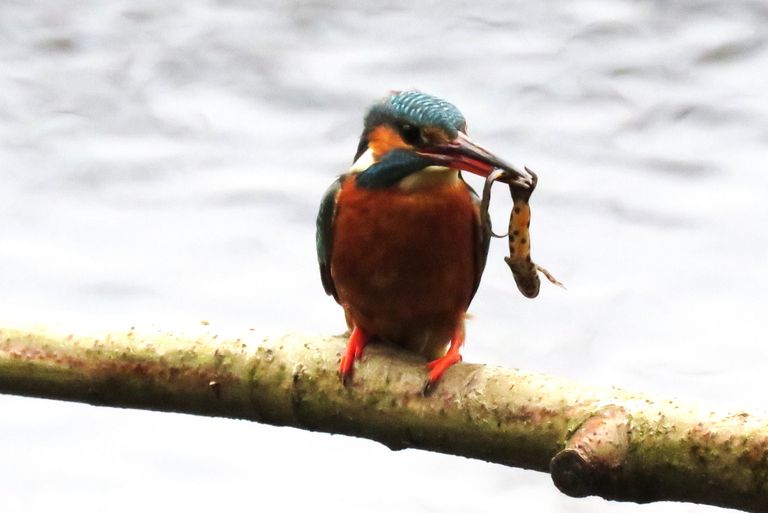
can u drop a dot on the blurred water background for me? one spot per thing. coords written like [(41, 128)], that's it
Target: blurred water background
[(163, 162)]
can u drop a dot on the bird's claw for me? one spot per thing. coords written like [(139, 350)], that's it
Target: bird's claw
[(436, 370), (354, 351), (429, 387), (345, 370)]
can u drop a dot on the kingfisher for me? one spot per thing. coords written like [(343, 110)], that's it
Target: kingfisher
[(400, 242)]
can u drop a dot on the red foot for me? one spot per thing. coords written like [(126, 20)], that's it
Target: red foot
[(438, 367), (357, 341)]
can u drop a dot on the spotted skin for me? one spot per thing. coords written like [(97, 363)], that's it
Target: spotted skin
[(524, 270), (519, 259)]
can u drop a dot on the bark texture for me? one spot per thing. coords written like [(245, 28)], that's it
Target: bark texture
[(606, 442)]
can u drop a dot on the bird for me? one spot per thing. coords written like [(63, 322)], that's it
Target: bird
[(400, 244)]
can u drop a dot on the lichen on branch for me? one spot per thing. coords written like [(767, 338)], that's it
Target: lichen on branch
[(594, 441)]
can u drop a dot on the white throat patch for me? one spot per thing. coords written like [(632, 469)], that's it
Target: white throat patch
[(363, 162)]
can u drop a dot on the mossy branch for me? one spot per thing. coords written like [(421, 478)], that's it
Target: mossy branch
[(606, 442)]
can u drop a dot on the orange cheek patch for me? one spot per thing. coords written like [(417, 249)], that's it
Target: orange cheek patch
[(384, 138)]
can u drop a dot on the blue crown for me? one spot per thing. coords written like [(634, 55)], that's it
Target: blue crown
[(419, 109)]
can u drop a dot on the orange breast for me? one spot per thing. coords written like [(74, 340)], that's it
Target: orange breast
[(404, 262)]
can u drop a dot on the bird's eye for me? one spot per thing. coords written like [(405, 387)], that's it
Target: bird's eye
[(411, 134)]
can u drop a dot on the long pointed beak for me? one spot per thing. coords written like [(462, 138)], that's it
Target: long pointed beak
[(462, 153)]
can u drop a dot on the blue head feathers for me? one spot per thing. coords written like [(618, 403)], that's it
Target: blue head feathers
[(418, 109)]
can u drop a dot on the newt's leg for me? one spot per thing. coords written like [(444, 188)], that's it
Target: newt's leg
[(355, 346), (438, 367)]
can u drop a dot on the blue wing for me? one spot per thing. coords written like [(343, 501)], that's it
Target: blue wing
[(324, 235), (482, 241)]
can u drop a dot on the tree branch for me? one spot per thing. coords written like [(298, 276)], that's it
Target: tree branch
[(606, 442)]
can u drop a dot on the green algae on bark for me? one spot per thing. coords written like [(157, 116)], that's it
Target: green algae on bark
[(594, 441)]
